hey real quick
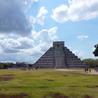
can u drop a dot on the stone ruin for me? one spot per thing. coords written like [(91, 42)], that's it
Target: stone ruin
[(59, 56)]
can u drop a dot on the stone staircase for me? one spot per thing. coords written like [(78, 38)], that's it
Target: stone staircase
[(46, 60), (72, 60)]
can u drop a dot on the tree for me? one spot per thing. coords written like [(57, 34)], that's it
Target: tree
[(6, 65), (96, 50), (91, 62)]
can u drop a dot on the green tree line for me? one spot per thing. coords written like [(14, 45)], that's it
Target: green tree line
[(6, 65), (91, 62)]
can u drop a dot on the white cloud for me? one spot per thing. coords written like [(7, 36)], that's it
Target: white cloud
[(76, 10), (82, 37), (31, 46), (14, 45), (52, 32), (40, 18), (41, 15), (26, 42), (32, 20), (45, 34), (60, 13), (27, 4)]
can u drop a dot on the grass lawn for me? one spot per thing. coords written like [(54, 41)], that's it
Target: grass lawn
[(47, 84)]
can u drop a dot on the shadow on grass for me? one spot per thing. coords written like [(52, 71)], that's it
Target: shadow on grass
[(6, 77), (55, 95), (60, 95), (50, 80), (87, 96), (88, 86), (21, 95)]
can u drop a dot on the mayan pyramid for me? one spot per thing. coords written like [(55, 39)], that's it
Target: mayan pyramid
[(59, 56)]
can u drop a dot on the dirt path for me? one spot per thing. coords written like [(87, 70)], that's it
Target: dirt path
[(93, 72)]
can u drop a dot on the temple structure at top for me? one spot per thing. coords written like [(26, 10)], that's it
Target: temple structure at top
[(59, 56)]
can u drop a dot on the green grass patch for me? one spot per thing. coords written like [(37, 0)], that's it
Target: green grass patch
[(48, 84)]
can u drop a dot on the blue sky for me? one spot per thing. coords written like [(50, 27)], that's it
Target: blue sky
[(29, 27)]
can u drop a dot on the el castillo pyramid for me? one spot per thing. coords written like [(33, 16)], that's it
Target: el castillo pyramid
[(59, 56)]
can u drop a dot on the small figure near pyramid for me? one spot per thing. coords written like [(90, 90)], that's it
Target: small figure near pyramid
[(59, 56)]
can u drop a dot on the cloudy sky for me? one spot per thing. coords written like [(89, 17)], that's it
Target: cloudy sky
[(28, 27)]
